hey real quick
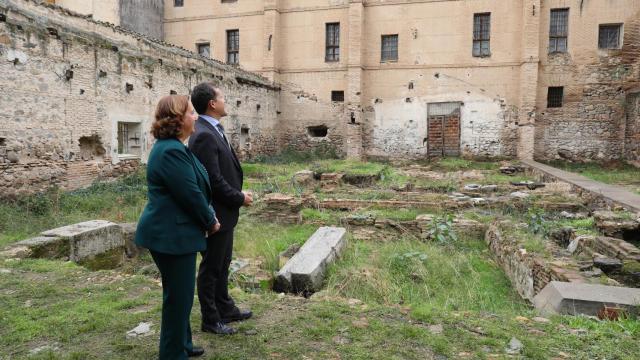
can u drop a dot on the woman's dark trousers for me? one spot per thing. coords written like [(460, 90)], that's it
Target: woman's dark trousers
[(178, 286)]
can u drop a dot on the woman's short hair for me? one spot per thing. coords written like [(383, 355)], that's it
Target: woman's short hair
[(169, 114)]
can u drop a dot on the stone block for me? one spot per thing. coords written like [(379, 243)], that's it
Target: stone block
[(129, 234), (574, 298), (89, 239), (282, 208), (48, 247), (306, 269), (303, 177), (616, 224)]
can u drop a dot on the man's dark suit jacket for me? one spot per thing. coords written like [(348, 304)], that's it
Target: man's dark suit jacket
[(225, 173)]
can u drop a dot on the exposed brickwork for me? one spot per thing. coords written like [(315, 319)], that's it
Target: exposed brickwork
[(67, 81), (598, 120)]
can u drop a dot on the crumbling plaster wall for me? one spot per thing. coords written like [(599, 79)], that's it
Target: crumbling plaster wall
[(397, 110), (67, 81)]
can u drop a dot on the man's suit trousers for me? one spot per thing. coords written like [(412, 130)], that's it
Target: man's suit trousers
[(213, 279)]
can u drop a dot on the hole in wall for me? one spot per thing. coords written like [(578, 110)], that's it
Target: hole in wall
[(318, 131), (258, 107), (53, 32), (68, 74), (172, 92), (3, 17), (81, 91), (407, 100), (91, 147), (3, 141), (114, 48), (102, 74), (238, 103), (128, 87)]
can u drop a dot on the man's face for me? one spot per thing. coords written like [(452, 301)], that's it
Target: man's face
[(218, 104)]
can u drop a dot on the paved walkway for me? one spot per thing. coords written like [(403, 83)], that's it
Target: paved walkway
[(615, 193)]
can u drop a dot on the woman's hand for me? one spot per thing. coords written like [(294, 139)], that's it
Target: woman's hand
[(215, 227)]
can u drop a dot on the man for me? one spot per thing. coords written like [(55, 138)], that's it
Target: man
[(211, 146)]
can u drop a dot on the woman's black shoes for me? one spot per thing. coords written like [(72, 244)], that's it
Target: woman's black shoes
[(195, 352)]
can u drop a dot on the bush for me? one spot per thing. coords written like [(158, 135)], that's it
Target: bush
[(441, 230)]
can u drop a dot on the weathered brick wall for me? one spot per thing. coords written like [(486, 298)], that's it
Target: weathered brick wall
[(67, 81), (593, 123), (300, 112)]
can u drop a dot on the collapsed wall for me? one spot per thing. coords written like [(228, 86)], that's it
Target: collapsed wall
[(78, 98)]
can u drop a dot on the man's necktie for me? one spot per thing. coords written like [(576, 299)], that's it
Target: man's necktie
[(221, 129)]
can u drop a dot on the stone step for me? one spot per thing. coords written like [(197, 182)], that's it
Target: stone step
[(90, 238), (305, 271), (97, 244), (589, 299)]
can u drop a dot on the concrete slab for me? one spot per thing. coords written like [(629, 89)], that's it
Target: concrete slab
[(89, 239), (573, 298), (306, 269)]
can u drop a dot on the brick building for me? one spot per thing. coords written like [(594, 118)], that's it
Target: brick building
[(395, 79), (543, 78)]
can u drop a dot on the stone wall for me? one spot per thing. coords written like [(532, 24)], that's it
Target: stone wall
[(632, 126), (592, 122), (68, 82), (529, 272), (306, 123)]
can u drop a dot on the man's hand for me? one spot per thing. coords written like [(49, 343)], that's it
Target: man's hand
[(248, 198), (215, 227)]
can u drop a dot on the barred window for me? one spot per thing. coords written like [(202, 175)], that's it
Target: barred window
[(555, 96), (178, 3), (332, 42), (337, 95), (389, 50), (481, 34), (609, 36), (204, 49), (558, 30), (233, 47)]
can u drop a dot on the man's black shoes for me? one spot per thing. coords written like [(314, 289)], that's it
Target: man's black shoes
[(238, 316), (195, 352), (219, 328)]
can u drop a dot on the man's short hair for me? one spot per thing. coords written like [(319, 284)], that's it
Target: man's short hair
[(201, 95)]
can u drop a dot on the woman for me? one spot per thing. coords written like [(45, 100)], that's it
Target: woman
[(175, 220)]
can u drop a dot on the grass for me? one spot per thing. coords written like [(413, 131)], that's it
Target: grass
[(455, 164), (378, 303), (267, 240), (119, 201), (444, 278), (617, 173)]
